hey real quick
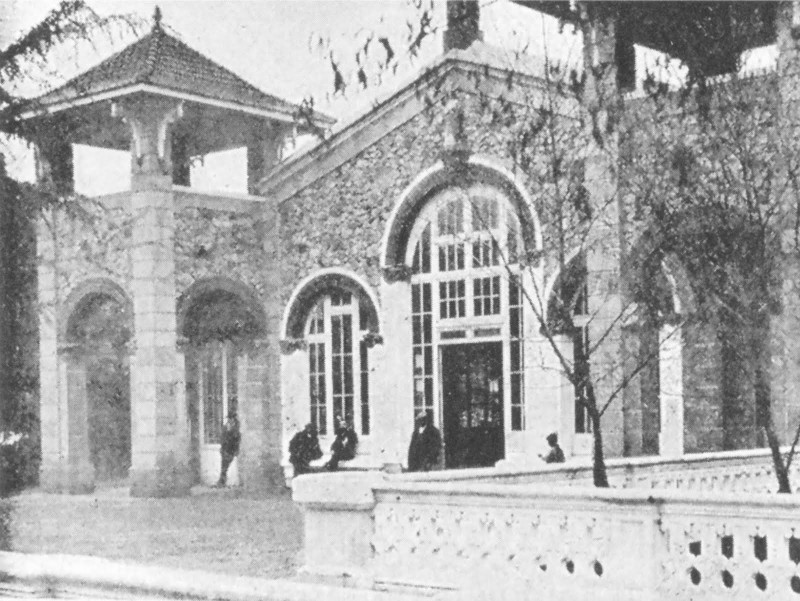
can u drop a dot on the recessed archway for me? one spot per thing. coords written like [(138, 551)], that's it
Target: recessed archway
[(220, 322), (97, 331)]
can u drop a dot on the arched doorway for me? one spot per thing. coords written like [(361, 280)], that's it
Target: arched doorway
[(464, 251), (220, 321), (98, 330)]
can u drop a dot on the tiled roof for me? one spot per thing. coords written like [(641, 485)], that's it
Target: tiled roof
[(161, 60)]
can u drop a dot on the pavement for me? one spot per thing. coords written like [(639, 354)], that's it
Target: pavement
[(217, 530)]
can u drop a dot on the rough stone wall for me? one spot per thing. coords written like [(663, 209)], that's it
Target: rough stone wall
[(213, 243), (91, 241), (339, 220), (703, 420), (671, 162)]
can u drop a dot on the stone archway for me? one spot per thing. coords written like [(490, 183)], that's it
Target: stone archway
[(96, 336), (222, 325)]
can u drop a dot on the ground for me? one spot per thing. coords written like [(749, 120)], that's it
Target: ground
[(219, 531)]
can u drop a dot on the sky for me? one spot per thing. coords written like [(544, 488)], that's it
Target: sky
[(273, 45)]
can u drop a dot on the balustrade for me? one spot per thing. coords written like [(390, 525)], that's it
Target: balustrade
[(698, 527)]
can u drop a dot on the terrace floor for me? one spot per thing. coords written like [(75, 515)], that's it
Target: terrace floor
[(219, 530)]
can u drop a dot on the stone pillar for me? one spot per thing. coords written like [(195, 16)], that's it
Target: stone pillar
[(54, 163), (66, 462), (393, 412), (785, 349), (160, 428), (605, 300), (294, 394), (785, 327), (259, 456), (632, 402), (670, 364), (80, 472), (263, 152), (51, 412), (603, 243), (264, 373)]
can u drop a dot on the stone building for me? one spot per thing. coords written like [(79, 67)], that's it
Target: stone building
[(410, 262)]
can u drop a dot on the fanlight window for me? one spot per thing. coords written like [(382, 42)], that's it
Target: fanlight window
[(338, 363)]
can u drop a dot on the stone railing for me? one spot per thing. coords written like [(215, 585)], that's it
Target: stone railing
[(477, 540), (697, 527), (748, 471)]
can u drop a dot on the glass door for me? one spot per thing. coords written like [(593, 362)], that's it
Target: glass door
[(472, 404)]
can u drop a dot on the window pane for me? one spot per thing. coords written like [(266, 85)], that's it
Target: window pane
[(363, 351)]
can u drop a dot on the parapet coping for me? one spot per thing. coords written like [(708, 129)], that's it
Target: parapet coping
[(57, 573)]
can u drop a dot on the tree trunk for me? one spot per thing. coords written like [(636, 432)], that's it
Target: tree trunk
[(598, 459), (784, 485), (763, 400)]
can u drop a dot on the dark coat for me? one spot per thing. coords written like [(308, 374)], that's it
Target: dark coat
[(423, 452), (344, 447), (556, 455), (230, 438), (303, 449)]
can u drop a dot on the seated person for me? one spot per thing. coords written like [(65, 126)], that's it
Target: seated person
[(556, 455), (344, 446), (303, 449)]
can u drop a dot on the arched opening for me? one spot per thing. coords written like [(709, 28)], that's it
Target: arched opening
[(220, 321), (465, 251), (98, 332), (568, 317), (656, 342), (721, 264), (333, 319)]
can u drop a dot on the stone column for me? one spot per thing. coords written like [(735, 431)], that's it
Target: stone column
[(160, 432), (393, 412), (51, 411), (259, 456), (785, 327), (80, 471), (263, 151), (605, 299), (542, 396), (295, 413)]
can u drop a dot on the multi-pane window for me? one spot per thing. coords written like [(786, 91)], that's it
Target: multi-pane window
[(217, 383), (338, 363), (486, 295), (580, 351), (452, 297), (464, 247), (422, 346), (517, 366)]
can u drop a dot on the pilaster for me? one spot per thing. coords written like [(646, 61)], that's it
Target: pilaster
[(393, 411)]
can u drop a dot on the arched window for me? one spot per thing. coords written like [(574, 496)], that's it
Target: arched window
[(337, 362), (467, 330)]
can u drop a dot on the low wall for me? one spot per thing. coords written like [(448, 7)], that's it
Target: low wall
[(476, 532), (730, 471)]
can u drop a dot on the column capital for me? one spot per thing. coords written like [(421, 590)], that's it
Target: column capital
[(372, 339), (396, 273), (150, 120), (290, 345)]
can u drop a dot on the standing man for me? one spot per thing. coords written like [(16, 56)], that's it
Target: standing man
[(426, 443), (229, 448)]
